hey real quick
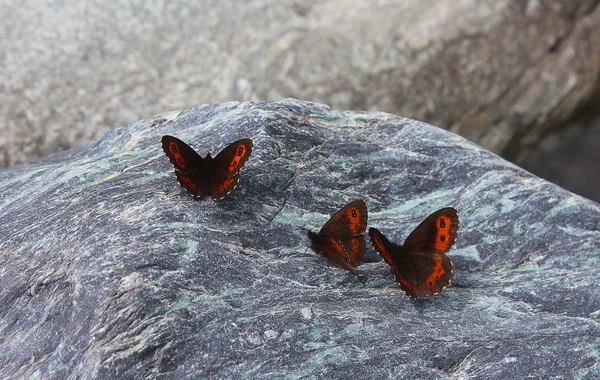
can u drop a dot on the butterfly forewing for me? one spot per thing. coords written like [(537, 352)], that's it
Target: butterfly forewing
[(437, 233), (341, 239), (386, 248), (181, 155), (231, 159), (226, 166), (348, 225), (351, 220)]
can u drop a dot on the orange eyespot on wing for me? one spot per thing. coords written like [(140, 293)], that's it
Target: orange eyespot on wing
[(181, 155), (241, 151), (353, 215), (226, 167), (357, 251), (226, 187), (186, 181), (437, 233), (355, 245), (443, 238), (350, 221), (231, 159), (174, 149), (438, 272), (433, 274)]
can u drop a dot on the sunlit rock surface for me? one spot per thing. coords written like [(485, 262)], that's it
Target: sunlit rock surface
[(109, 269)]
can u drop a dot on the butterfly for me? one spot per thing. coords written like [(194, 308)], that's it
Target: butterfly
[(216, 176), (420, 264), (341, 240)]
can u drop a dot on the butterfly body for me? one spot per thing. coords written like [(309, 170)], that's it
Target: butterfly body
[(341, 240), (200, 176), (420, 264)]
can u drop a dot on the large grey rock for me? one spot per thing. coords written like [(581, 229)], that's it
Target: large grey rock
[(502, 73), (110, 270)]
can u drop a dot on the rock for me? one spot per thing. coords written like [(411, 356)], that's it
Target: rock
[(111, 270), (502, 73), (569, 158)]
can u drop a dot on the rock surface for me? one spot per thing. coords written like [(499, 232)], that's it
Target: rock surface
[(502, 73), (110, 270), (569, 158)]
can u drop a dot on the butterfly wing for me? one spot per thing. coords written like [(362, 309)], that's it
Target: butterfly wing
[(437, 233), (194, 182), (181, 155), (225, 187), (386, 248), (226, 166), (332, 249), (431, 273), (425, 260), (348, 227), (396, 257), (189, 165)]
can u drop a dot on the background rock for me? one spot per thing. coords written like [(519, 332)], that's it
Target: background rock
[(570, 158), (110, 270), (502, 73)]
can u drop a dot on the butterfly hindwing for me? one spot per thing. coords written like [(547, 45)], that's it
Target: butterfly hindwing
[(193, 182), (432, 273), (341, 239), (332, 249), (227, 185), (357, 248)]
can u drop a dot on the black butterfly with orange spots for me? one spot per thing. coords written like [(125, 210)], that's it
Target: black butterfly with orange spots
[(420, 264), (216, 176), (341, 240)]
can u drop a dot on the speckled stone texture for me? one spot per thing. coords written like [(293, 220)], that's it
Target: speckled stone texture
[(110, 270)]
